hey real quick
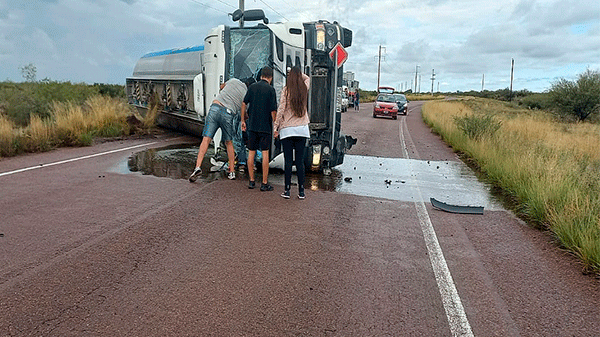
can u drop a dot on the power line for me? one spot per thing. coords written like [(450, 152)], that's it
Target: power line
[(273, 9), (205, 5), (292, 7), (226, 4)]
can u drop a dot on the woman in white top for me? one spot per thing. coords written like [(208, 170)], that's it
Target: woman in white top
[(291, 125)]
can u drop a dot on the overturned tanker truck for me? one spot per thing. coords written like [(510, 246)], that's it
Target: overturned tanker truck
[(183, 82)]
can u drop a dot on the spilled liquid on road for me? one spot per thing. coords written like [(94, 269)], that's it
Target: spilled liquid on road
[(390, 178)]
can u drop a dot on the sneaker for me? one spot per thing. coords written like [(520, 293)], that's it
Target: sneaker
[(231, 175), (266, 187), (251, 184), (301, 194), (241, 168), (197, 172), (286, 194)]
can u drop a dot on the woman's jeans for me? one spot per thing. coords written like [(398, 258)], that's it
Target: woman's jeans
[(291, 145)]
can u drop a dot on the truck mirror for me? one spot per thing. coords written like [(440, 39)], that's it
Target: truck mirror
[(347, 37), (254, 15), (236, 15)]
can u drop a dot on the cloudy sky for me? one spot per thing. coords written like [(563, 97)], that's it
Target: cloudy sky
[(463, 40)]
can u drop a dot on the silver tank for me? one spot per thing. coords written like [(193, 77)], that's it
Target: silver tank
[(180, 64)]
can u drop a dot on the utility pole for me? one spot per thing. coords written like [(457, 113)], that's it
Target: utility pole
[(241, 6), (512, 70), (379, 67), (432, 80), (482, 82), (416, 74)]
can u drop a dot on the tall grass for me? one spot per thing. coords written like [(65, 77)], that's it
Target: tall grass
[(7, 137), (550, 170), (67, 124)]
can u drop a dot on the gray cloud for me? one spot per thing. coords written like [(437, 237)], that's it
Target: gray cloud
[(100, 40)]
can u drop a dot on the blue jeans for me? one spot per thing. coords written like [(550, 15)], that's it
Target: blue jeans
[(218, 117), (238, 141)]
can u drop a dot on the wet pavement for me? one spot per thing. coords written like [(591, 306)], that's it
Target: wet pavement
[(390, 178)]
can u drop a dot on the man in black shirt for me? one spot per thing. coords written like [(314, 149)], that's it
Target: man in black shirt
[(260, 108)]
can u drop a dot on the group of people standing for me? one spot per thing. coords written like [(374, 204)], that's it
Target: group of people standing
[(244, 106)]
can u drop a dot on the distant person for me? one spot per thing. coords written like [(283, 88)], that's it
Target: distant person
[(291, 126), (356, 100), (262, 101), (221, 114)]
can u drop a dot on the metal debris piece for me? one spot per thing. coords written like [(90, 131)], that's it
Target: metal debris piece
[(455, 208)]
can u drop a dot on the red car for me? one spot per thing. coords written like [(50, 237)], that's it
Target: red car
[(385, 105)]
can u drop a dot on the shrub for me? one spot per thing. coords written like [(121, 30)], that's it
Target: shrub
[(536, 101), (477, 126), (19, 101), (578, 99), (111, 90)]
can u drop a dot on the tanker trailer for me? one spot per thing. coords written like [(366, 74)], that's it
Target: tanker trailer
[(172, 82), (185, 81)]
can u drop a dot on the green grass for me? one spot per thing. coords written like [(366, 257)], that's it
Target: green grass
[(550, 170), (40, 116)]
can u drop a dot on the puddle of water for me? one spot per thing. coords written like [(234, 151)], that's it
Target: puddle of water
[(389, 178), (395, 178), (176, 161)]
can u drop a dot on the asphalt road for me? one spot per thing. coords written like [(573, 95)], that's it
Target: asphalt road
[(91, 250)]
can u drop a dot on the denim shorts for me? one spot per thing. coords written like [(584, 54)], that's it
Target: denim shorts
[(218, 117)]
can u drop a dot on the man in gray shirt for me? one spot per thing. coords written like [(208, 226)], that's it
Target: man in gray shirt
[(221, 115)]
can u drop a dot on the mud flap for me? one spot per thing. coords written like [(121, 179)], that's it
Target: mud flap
[(456, 209)]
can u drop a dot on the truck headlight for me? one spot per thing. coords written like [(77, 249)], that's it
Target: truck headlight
[(316, 159), (326, 150), (320, 39)]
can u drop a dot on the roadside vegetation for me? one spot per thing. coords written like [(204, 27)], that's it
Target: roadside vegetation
[(367, 96), (545, 162), (42, 115)]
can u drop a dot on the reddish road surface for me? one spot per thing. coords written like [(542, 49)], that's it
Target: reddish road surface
[(91, 250)]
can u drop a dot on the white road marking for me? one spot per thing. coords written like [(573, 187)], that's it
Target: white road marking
[(457, 318), (74, 159)]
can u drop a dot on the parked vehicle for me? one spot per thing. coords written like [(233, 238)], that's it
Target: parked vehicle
[(402, 103), (385, 90), (385, 105), (183, 82)]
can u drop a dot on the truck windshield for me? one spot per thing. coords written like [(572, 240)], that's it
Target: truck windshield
[(250, 51)]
